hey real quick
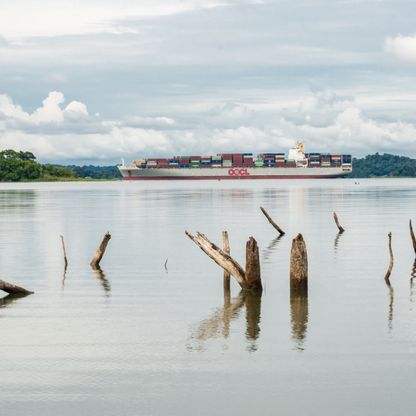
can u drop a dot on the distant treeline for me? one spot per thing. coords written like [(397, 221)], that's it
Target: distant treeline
[(384, 165), (95, 172)]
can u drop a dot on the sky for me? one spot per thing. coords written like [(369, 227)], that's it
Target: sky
[(94, 81)]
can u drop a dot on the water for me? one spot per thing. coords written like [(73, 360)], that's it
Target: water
[(137, 339)]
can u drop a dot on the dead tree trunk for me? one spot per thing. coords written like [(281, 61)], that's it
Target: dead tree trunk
[(225, 261), (269, 218), (13, 289), (253, 280), (95, 262), (341, 229), (412, 234), (390, 268), (64, 250), (298, 266), (226, 247)]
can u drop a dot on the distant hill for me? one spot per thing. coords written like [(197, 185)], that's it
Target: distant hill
[(386, 165)]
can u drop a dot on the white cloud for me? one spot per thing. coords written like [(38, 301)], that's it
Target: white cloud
[(403, 47), (324, 120), (50, 112), (62, 17)]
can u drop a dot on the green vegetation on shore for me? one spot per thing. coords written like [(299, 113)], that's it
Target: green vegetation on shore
[(18, 166), (384, 165)]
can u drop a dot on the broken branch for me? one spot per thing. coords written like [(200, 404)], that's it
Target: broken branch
[(95, 262), (269, 218), (387, 276), (13, 289), (340, 228)]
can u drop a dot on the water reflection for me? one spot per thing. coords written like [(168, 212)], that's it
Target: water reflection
[(412, 283), (218, 324), (299, 317), (391, 304), (253, 312), (64, 277), (17, 200), (9, 299), (271, 247), (336, 241), (105, 283)]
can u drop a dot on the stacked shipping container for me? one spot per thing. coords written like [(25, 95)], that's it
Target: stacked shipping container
[(229, 160)]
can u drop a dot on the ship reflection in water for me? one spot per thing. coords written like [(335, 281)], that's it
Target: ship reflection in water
[(219, 323), (299, 317)]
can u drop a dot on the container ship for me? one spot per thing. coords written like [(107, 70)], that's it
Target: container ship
[(297, 165)]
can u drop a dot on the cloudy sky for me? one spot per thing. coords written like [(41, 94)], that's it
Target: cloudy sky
[(91, 81)]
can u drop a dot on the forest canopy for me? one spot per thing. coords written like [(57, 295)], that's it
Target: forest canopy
[(18, 166)]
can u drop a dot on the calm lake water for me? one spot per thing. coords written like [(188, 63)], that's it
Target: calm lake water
[(142, 340)]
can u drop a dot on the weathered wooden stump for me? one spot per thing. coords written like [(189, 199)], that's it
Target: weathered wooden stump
[(95, 262), (249, 279), (269, 218), (64, 250), (298, 266), (252, 275), (226, 248), (340, 228), (14, 289), (390, 268), (412, 235)]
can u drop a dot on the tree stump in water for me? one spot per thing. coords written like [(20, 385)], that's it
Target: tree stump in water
[(412, 235), (390, 268), (341, 229), (269, 218), (252, 276), (226, 247), (13, 289), (298, 265), (64, 250), (95, 262), (249, 279)]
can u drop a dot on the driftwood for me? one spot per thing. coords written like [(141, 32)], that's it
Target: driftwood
[(269, 218), (64, 250), (412, 234), (226, 248), (249, 279), (390, 268), (340, 228), (13, 289), (298, 265), (95, 262)]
